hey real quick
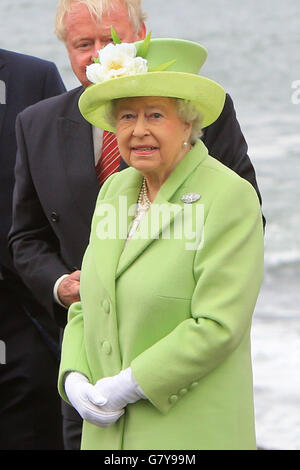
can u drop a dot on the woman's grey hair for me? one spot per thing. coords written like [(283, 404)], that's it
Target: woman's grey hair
[(187, 112), (96, 9)]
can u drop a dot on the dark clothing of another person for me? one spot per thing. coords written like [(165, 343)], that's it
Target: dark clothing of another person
[(30, 409)]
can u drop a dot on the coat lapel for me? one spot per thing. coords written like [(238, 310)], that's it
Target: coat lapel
[(111, 222), (113, 216), (158, 219), (166, 207), (75, 137)]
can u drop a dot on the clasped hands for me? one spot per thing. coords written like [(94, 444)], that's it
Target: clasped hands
[(102, 404)]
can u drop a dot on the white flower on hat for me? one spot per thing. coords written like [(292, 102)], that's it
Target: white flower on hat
[(116, 60)]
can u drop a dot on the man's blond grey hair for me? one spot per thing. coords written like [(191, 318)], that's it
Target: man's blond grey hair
[(96, 8)]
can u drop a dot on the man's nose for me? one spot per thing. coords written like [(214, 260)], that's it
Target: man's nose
[(95, 50)]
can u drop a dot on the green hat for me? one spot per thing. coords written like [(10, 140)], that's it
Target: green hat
[(156, 67)]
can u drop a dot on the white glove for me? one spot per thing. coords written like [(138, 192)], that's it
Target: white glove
[(118, 390), (78, 388)]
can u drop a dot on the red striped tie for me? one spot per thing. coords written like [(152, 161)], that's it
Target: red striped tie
[(110, 158)]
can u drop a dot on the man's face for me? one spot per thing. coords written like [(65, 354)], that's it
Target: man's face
[(85, 37)]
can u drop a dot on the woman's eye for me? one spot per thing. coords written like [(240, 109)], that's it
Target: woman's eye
[(127, 116), (156, 115)]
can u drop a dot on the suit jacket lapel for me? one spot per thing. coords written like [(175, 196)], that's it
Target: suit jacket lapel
[(75, 137)]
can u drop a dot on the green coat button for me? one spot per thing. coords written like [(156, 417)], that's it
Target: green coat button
[(182, 391), (106, 347), (194, 385), (173, 399), (106, 306)]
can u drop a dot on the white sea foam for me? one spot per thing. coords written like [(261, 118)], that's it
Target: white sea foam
[(282, 258)]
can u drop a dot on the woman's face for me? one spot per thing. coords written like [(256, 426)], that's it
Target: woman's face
[(151, 135)]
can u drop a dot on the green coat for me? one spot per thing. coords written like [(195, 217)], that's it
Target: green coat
[(178, 315)]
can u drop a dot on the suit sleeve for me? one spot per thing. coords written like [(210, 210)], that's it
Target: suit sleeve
[(225, 142), (228, 273), (33, 244)]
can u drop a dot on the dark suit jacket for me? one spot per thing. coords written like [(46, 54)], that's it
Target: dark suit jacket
[(56, 188), (25, 80)]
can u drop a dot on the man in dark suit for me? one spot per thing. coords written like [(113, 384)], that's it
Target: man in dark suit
[(56, 183), (30, 416)]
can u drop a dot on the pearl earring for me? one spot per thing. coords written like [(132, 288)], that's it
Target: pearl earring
[(185, 144)]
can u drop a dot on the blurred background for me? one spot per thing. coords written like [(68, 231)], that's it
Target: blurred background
[(253, 51)]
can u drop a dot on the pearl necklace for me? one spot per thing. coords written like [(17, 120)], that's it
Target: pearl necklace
[(142, 207), (143, 201)]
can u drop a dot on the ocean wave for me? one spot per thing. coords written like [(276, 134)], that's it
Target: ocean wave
[(282, 258), (276, 147)]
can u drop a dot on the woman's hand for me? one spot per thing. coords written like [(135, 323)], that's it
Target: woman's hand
[(118, 391), (79, 392)]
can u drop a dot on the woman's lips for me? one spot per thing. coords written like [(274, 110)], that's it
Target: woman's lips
[(144, 151)]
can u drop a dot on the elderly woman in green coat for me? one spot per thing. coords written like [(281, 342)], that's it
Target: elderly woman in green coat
[(157, 353)]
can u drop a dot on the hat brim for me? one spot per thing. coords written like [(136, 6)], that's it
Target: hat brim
[(207, 95)]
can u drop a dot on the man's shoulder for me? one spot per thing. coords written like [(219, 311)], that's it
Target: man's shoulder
[(227, 111), (55, 105), (17, 59)]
